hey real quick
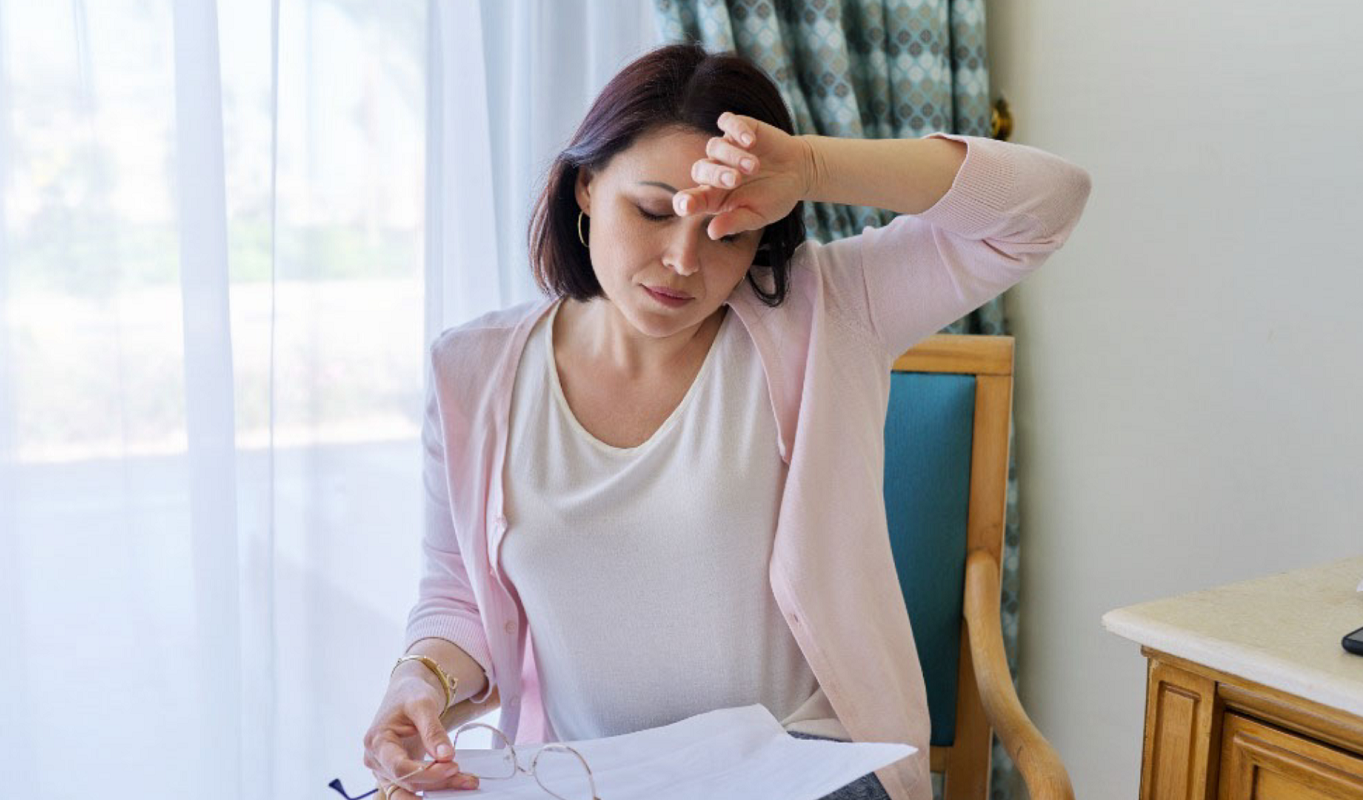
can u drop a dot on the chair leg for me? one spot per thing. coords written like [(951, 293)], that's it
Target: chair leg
[(967, 773)]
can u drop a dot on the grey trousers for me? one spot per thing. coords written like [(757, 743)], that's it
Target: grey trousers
[(867, 787)]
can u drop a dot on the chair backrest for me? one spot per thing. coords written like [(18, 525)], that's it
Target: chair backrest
[(946, 475)]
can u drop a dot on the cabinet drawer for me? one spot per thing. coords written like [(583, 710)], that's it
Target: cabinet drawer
[(1261, 762)]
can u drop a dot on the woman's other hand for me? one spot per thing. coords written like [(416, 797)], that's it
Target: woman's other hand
[(406, 728), (770, 171)]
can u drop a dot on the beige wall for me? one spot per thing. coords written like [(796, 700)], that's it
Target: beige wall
[(1190, 365)]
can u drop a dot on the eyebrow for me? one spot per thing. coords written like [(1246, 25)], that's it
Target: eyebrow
[(673, 190)]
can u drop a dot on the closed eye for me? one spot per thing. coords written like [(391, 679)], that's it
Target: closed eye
[(730, 239)]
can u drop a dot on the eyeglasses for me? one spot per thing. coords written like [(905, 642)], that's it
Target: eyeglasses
[(557, 768)]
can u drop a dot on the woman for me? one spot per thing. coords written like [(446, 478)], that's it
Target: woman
[(669, 472)]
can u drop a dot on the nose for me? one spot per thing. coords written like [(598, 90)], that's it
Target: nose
[(683, 256)]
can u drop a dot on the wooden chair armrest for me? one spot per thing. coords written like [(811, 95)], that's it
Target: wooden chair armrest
[(467, 710), (1036, 759)]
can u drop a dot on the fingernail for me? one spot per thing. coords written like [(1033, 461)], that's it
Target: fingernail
[(444, 751), (747, 138), (686, 204), (747, 164), (728, 179)]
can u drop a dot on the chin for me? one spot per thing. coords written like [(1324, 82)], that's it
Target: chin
[(658, 325)]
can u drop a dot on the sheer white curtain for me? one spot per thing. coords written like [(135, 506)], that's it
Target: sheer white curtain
[(227, 231), (510, 80)]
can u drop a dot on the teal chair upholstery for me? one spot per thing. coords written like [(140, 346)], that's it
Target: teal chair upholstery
[(928, 431), (945, 485)]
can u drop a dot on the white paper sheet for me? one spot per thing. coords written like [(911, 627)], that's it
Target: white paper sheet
[(740, 752)]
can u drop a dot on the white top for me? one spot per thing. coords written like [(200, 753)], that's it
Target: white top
[(643, 571), (1283, 631)]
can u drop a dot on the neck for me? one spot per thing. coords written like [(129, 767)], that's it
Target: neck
[(602, 335)]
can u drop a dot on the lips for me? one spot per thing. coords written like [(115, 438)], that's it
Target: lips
[(663, 290)]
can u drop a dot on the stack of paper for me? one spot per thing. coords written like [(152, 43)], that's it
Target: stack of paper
[(740, 752)]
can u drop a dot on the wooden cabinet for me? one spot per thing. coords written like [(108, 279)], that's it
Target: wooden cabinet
[(1264, 762), (1248, 694), (1180, 724), (1211, 735)]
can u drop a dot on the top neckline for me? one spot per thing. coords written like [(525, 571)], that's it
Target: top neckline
[(562, 400)]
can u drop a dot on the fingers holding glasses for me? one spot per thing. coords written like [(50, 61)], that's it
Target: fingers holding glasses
[(391, 762), (391, 791), (403, 788), (434, 737)]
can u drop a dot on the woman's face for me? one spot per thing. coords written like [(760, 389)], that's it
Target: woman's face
[(637, 241)]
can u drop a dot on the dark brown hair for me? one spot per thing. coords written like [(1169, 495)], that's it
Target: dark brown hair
[(673, 86)]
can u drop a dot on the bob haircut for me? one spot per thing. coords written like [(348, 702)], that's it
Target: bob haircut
[(677, 86)]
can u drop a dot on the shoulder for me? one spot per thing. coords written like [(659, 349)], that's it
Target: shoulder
[(483, 338), (480, 348), (471, 363)]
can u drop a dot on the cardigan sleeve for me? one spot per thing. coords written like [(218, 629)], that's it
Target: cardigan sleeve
[(446, 607), (1009, 207)]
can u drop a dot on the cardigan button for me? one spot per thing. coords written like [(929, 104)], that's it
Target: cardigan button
[(509, 627)]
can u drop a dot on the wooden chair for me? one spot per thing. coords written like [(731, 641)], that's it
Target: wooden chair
[(946, 478)]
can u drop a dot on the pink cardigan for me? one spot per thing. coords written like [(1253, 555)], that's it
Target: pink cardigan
[(854, 306)]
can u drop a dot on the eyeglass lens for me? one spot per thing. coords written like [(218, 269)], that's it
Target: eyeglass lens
[(494, 763), (561, 773), (558, 770)]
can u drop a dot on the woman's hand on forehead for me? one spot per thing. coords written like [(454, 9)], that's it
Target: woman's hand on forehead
[(751, 176)]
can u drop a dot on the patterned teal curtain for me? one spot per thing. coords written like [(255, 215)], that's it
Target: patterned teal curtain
[(874, 69)]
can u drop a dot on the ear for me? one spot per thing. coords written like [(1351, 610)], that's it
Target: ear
[(582, 189)]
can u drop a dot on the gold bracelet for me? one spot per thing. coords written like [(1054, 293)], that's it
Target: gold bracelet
[(447, 682)]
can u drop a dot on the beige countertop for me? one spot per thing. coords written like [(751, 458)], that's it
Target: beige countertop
[(1283, 630)]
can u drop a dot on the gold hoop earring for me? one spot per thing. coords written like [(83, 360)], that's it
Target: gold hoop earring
[(580, 214)]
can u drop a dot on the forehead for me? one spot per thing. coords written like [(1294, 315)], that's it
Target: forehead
[(662, 155)]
